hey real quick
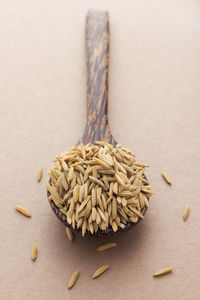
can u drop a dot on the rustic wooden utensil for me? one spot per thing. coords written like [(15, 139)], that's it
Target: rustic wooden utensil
[(97, 47), (97, 128)]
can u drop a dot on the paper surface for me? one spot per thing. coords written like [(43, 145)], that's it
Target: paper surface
[(154, 109)]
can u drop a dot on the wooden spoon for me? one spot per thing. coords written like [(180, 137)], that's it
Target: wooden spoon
[(97, 128), (97, 47)]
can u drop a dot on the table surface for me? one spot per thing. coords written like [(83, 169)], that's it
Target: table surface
[(154, 108)]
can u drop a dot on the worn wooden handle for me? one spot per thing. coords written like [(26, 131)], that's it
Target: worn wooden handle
[(97, 46)]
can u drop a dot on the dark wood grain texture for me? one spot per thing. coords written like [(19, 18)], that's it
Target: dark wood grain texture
[(97, 49)]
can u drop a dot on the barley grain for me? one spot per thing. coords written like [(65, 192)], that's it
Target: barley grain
[(64, 165), (119, 179), (94, 214), (39, 174), (48, 186), (101, 163), (186, 212), (114, 208), (101, 214), (97, 181), (104, 202), (139, 164), (34, 253), (64, 182), (80, 222), (23, 211), (76, 193), (83, 151), (115, 187), (91, 187), (117, 220), (163, 272), (68, 195), (73, 279), (124, 201), (87, 209), (166, 177), (84, 227), (69, 234), (99, 271), (83, 204), (71, 173), (91, 227), (98, 219), (106, 246), (114, 226)]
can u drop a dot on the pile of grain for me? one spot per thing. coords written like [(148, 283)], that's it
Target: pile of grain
[(98, 187)]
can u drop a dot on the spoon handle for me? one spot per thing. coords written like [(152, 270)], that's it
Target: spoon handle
[(97, 47)]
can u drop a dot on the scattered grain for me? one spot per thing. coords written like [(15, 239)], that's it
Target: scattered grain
[(100, 271), (186, 212), (163, 272), (73, 279), (34, 253), (166, 177), (23, 211), (39, 174)]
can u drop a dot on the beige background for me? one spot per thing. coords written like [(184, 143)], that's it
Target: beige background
[(154, 109)]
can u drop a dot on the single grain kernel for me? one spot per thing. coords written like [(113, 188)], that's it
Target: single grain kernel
[(186, 212), (39, 174), (34, 253), (23, 211), (73, 279), (163, 272), (166, 177), (99, 271), (106, 247)]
